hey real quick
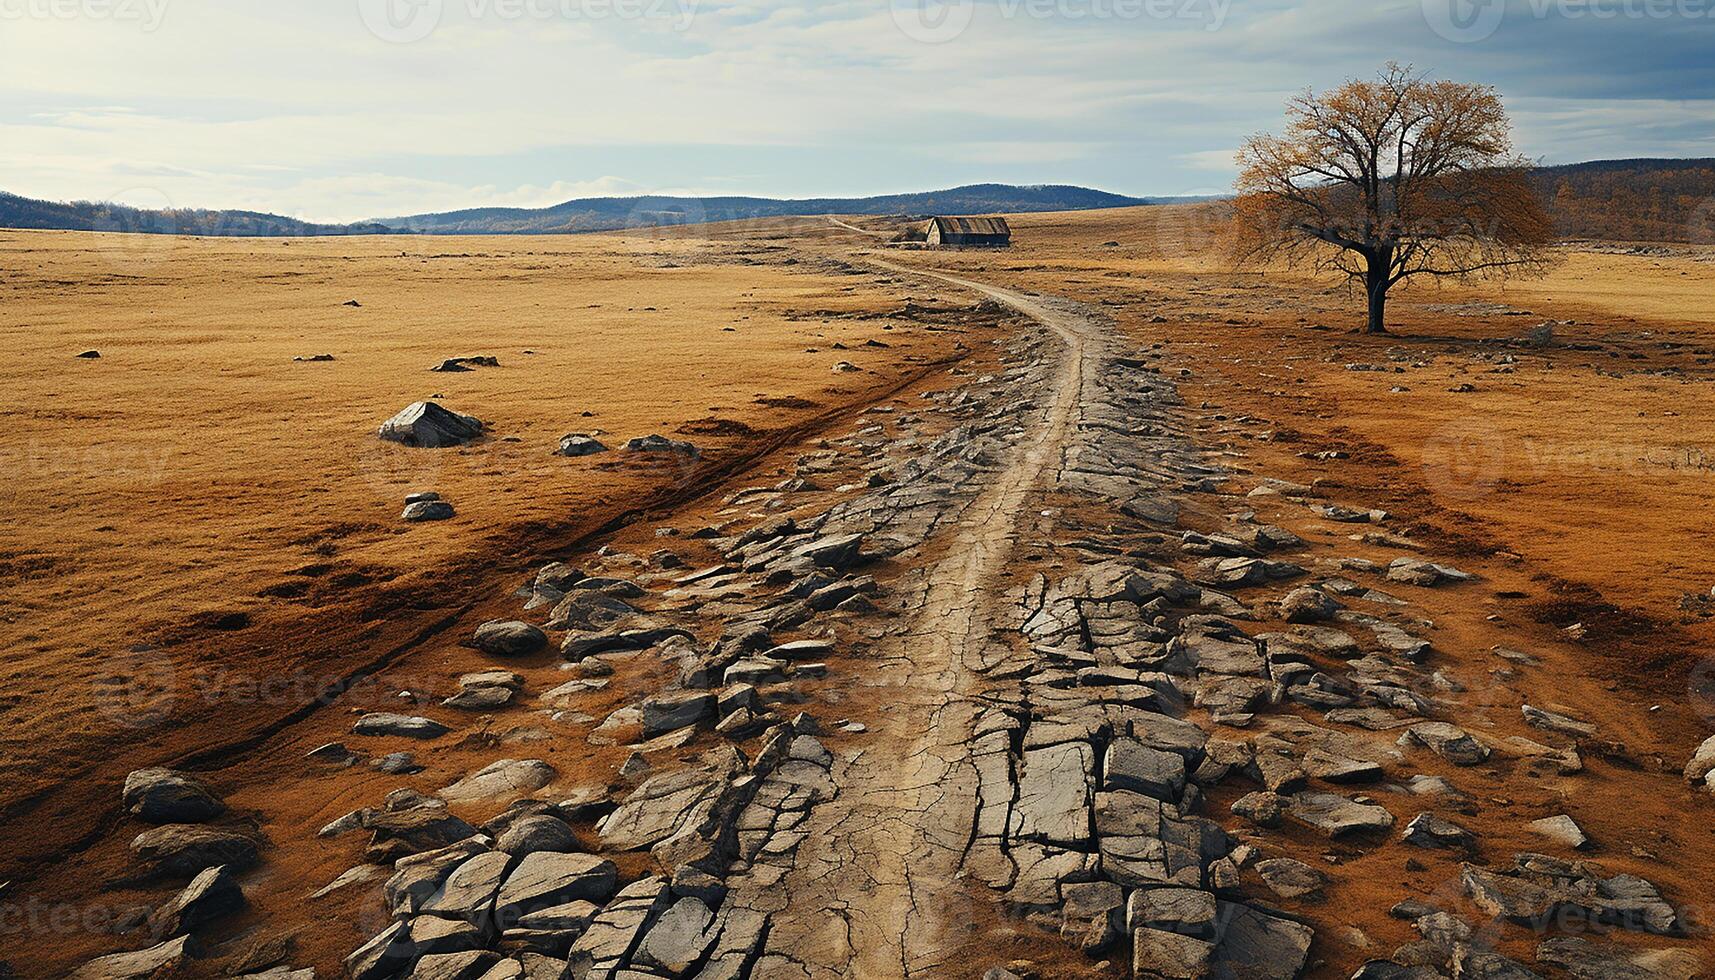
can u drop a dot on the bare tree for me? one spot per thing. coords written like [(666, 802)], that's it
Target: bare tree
[(1391, 179)]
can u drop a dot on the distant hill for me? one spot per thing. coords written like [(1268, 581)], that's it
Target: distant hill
[(1626, 200), (1633, 200), (22, 212), (613, 213)]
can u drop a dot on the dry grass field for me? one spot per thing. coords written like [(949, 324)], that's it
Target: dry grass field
[(203, 533), (196, 520)]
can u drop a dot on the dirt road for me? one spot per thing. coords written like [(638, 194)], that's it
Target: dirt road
[(878, 889)]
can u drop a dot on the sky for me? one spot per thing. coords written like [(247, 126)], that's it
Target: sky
[(341, 110)]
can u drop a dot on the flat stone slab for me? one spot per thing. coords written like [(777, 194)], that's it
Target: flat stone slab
[(1336, 815)]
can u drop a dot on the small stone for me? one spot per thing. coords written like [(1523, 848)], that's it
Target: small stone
[(1448, 741), (1263, 809), (428, 510), (157, 961), (577, 444), (164, 796), (184, 850), (1429, 830), (1336, 815), (1291, 879), (662, 444), (384, 723), (213, 893), (427, 425), (1561, 829), (1307, 605), (508, 638)]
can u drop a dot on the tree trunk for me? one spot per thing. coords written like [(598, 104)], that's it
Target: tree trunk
[(1375, 287)]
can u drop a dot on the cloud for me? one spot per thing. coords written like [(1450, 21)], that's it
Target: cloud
[(301, 109)]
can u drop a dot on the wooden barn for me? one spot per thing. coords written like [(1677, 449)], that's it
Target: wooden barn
[(978, 232)]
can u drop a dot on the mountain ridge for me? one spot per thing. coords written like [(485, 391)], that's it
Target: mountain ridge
[(1665, 199)]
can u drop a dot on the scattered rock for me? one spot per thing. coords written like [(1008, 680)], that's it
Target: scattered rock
[(1307, 605), (509, 638), (184, 850), (90, 355), (428, 510), (504, 777), (662, 444), (164, 796), (457, 364), (1447, 741), (213, 893), (1429, 830), (426, 425), (1561, 829), (1291, 879), (156, 961), (384, 723), (1336, 815), (577, 444)]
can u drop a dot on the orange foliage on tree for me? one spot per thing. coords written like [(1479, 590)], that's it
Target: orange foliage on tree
[(1389, 179)]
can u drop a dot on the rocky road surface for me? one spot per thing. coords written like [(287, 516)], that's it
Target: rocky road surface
[(1091, 732)]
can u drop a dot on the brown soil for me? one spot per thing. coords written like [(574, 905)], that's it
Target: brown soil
[(1579, 495)]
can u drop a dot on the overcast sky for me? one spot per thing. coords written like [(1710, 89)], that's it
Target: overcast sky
[(338, 110)]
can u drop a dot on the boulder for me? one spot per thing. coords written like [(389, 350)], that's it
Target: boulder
[(1561, 829), (1447, 741), (1429, 830), (545, 879), (184, 850), (1291, 879), (468, 892), (164, 796), (422, 511), (1702, 764), (504, 777), (386, 723), (426, 425), (1130, 764), (1263, 809), (577, 444), (662, 444), (671, 712), (1586, 960), (472, 964), (508, 638), (1307, 605), (679, 938), (1169, 955), (537, 833), (1258, 946), (156, 961), (1336, 815), (214, 892)]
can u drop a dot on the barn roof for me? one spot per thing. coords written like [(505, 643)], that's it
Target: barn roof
[(972, 226)]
